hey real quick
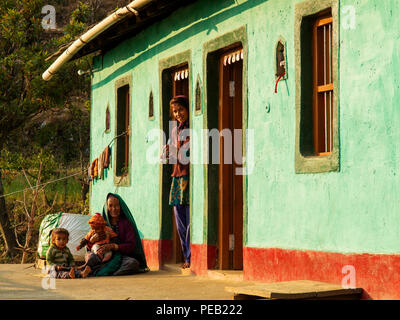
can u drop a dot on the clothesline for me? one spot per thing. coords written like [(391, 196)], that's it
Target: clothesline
[(59, 179), (97, 166), (120, 135), (44, 184)]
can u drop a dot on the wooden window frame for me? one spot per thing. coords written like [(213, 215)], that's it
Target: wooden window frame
[(310, 158), (322, 70), (123, 179)]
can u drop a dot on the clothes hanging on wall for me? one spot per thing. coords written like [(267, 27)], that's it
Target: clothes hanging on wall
[(100, 163), (93, 169), (100, 166), (106, 153)]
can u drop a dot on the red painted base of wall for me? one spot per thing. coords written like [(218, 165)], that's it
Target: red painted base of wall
[(157, 252), (203, 258), (151, 250), (377, 274)]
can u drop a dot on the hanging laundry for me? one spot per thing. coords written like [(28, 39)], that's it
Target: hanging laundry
[(100, 166), (106, 153), (93, 169)]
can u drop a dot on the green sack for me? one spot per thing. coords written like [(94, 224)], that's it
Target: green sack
[(49, 222)]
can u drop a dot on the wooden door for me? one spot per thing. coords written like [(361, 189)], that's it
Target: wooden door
[(230, 237)]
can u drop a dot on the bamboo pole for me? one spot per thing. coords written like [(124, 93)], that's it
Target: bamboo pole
[(92, 34)]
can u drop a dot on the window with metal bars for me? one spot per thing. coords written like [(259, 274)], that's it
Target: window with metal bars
[(322, 85), (317, 90)]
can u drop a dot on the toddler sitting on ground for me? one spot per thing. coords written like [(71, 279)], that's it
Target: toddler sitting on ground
[(59, 259)]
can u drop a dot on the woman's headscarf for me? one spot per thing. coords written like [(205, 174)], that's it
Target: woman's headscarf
[(126, 213)]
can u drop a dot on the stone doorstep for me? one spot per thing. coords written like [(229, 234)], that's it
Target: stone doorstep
[(228, 275), (175, 268), (300, 289)]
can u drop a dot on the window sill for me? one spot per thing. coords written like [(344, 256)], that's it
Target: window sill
[(122, 181), (317, 164)]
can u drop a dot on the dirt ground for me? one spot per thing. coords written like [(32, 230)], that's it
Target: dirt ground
[(27, 283)]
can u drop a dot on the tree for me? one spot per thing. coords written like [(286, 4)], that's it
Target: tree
[(24, 45), (37, 169)]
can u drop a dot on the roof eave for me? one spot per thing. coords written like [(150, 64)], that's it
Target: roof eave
[(94, 32)]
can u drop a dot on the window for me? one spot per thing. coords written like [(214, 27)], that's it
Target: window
[(122, 153), (317, 91), (198, 97), (151, 106), (280, 59), (322, 85), (107, 119)]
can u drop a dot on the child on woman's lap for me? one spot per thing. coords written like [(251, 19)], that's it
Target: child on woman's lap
[(99, 236)]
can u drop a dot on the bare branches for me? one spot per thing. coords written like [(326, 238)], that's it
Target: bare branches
[(32, 214), (27, 179)]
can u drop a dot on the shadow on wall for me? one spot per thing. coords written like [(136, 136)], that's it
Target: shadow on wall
[(205, 23)]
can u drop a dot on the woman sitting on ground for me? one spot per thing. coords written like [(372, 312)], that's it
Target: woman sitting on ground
[(128, 254)]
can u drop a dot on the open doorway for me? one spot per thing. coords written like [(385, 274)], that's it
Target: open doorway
[(175, 81)]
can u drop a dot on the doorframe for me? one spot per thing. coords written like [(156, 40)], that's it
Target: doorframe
[(211, 52), (164, 67)]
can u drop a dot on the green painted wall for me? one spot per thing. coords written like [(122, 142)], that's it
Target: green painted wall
[(352, 210)]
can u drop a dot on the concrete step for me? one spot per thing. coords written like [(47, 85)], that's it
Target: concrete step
[(176, 268), (229, 275)]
